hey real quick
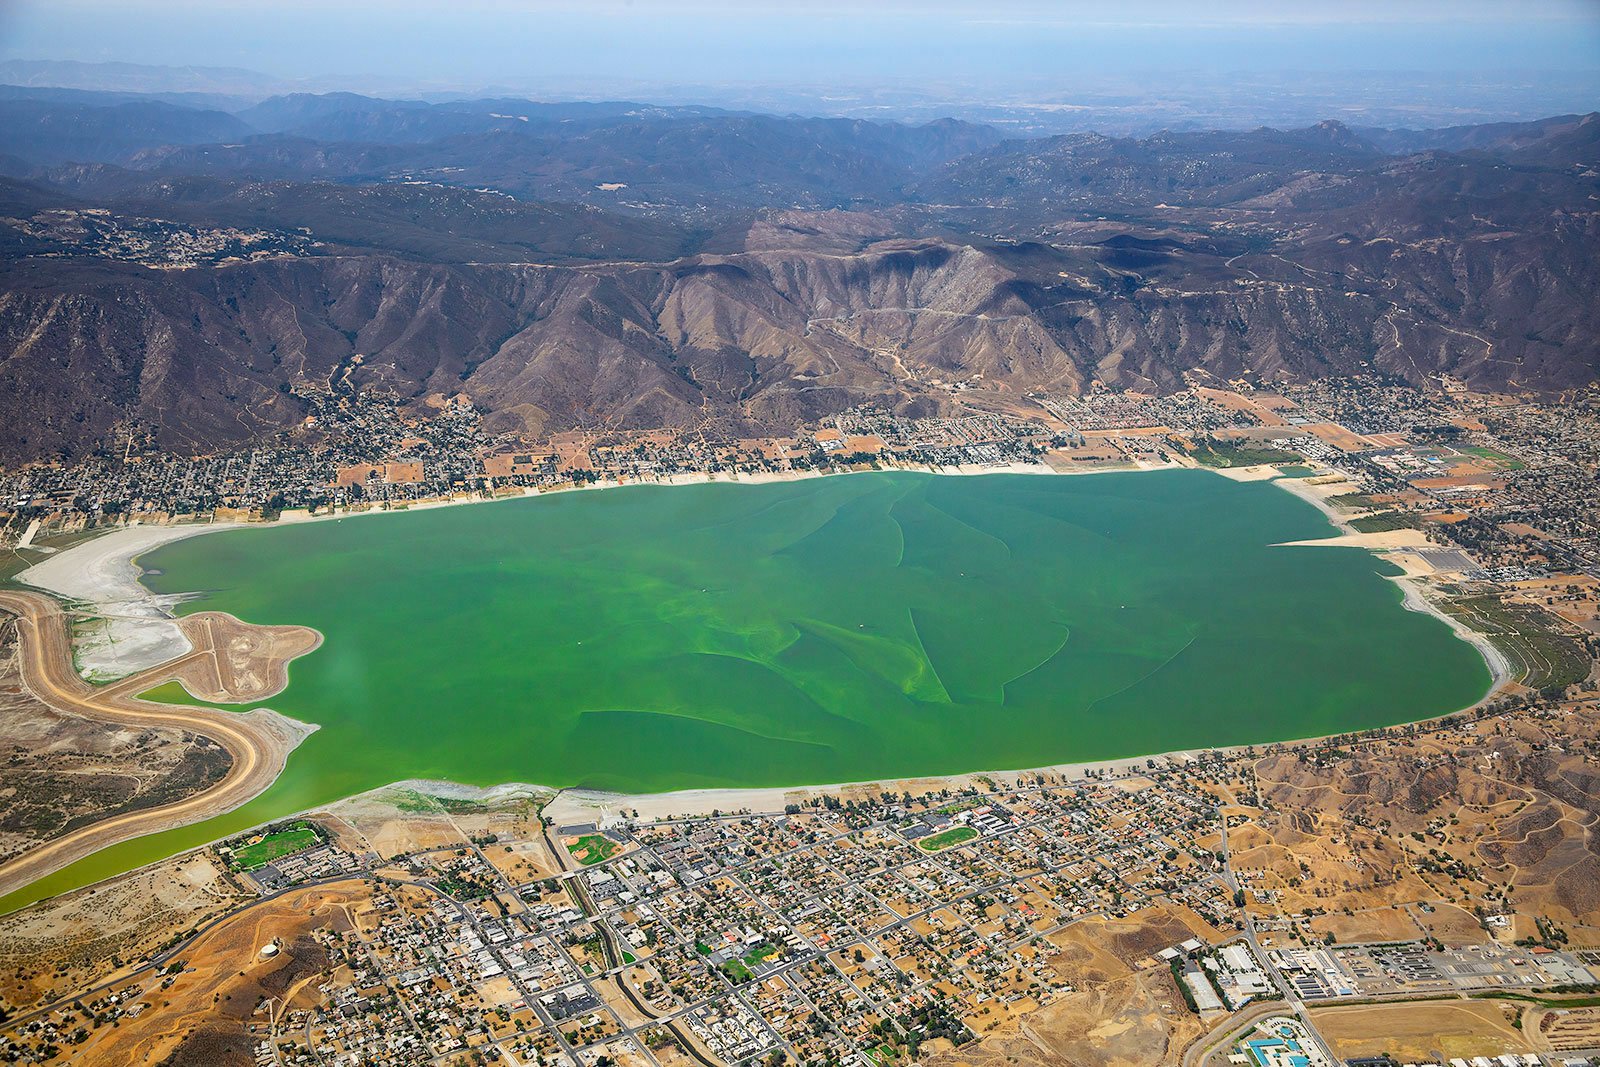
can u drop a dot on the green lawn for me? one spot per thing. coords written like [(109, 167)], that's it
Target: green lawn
[(273, 847), (759, 953), (1384, 521), (1504, 461), (736, 970), (946, 838), (593, 848)]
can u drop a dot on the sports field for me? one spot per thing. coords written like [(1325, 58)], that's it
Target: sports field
[(274, 847)]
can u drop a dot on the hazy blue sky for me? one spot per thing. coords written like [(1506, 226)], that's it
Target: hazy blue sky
[(478, 42)]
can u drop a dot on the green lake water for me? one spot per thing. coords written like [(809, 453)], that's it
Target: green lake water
[(828, 630)]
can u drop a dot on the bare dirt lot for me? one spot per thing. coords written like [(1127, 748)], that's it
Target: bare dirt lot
[(1133, 1022), (1371, 924), (1437, 1030), (247, 663)]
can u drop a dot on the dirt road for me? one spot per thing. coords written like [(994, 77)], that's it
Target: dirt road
[(258, 742)]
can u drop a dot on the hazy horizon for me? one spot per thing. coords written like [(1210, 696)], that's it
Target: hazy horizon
[(1370, 61)]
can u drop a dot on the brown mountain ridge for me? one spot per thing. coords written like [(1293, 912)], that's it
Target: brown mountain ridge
[(1044, 264)]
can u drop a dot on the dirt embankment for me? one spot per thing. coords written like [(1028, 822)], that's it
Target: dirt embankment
[(63, 771), (226, 655)]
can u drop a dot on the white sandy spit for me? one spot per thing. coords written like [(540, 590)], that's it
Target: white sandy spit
[(128, 628)]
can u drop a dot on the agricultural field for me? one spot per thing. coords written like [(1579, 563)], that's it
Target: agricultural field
[(1383, 522), (1541, 658)]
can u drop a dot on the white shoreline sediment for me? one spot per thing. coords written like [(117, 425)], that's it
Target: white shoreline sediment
[(137, 629)]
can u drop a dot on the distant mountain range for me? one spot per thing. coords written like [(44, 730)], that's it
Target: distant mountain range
[(185, 261)]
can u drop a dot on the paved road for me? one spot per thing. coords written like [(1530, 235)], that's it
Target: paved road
[(1291, 1004), (44, 655), (1232, 1028)]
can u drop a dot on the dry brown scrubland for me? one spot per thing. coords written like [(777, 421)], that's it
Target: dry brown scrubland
[(1504, 805), (1459, 815), (1125, 1010)]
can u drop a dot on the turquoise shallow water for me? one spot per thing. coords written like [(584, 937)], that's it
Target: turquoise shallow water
[(828, 630)]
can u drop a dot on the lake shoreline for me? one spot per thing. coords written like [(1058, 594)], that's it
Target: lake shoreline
[(114, 558), (137, 627), (104, 572), (1412, 596)]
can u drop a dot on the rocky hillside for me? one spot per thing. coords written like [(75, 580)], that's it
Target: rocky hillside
[(198, 303)]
